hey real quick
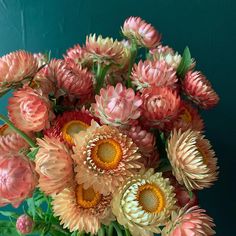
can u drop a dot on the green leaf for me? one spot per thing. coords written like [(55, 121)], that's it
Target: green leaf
[(185, 63), (7, 228), (9, 214), (190, 194), (33, 153), (31, 207)]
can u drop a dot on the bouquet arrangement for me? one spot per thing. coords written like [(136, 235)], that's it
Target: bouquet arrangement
[(107, 140)]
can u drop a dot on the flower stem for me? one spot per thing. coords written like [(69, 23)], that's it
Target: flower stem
[(127, 233), (101, 231), (100, 76), (117, 228), (133, 54), (22, 134)]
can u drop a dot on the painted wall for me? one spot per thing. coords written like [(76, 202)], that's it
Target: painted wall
[(206, 26)]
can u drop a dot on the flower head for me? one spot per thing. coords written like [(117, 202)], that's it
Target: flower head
[(167, 54), (15, 67), (105, 157), (104, 50), (153, 74), (189, 222), (10, 141), (82, 209), (117, 105), (143, 33), (143, 203), (193, 161), (29, 110), (54, 165), (24, 224), (160, 105), (17, 178), (199, 90)]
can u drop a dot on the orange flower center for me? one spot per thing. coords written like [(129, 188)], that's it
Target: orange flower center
[(71, 128), (151, 198), (87, 198), (107, 154), (186, 116)]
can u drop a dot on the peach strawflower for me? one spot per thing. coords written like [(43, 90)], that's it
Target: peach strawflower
[(199, 90), (188, 118), (71, 78), (10, 141), (54, 165), (117, 105), (160, 105), (192, 158), (189, 222), (24, 224), (82, 209), (167, 54), (17, 178), (104, 50), (144, 34), (15, 67), (153, 74), (29, 110), (105, 157), (144, 203), (68, 124)]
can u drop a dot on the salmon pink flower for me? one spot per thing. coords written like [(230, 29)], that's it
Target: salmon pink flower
[(153, 73), (189, 222), (143, 33), (160, 105), (17, 178), (24, 224), (199, 90), (29, 110), (117, 105)]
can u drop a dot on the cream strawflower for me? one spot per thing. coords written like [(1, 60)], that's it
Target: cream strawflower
[(144, 203), (199, 90), (167, 54), (29, 110), (10, 141), (54, 165), (144, 34), (104, 50), (153, 73), (82, 209), (192, 158), (189, 222), (105, 157), (117, 105)]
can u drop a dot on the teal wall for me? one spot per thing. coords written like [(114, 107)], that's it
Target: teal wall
[(207, 26)]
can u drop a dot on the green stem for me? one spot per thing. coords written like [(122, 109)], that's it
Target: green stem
[(117, 228), (133, 54), (100, 76), (127, 233), (59, 229), (110, 230), (81, 233), (22, 134), (101, 231)]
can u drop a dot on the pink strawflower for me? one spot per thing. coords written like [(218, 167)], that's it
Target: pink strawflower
[(160, 105), (16, 66), (153, 73), (143, 33), (188, 118), (189, 222), (17, 178), (117, 105), (29, 110), (199, 90), (10, 141), (25, 224), (71, 78), (41, 59), (151, 160)]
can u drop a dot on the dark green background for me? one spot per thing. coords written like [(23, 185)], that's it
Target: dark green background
[(206, 26)]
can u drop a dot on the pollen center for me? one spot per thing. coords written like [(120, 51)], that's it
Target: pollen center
[(87, 198), (151, 198), (186, 116), (71, 128), (107, 154)]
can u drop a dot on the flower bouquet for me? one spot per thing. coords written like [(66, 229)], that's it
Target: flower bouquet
[(107, 140)]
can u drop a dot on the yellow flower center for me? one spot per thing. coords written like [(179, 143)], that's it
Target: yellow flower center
[(71, 128), (186, 116), (107, 154), (151, 198), (87, 198)]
